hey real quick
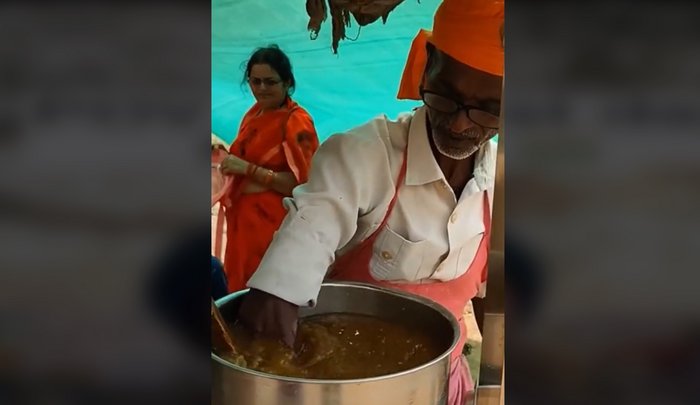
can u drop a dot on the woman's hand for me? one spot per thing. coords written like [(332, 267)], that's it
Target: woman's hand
[(233, 165)]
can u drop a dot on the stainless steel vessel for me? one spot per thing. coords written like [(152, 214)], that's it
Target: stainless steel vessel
[(423, 385)]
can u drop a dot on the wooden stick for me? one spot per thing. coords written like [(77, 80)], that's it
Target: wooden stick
[(221, 337)]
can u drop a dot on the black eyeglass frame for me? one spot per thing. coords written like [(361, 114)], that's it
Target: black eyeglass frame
[(459, 106)]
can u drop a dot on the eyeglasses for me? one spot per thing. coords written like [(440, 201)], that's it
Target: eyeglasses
[(447, 105), (256, 81)]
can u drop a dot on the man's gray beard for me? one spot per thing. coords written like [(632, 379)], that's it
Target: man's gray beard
[(455, 153)]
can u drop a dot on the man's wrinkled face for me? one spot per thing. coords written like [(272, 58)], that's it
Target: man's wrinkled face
[(448, 84)]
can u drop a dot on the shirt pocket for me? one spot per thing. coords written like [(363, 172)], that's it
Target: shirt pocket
[(468, 252), (395, 257), (465, 240)]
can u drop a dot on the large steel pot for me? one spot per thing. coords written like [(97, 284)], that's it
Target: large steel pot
[(423, 385)]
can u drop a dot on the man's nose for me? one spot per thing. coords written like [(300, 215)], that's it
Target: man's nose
[(461, 122)]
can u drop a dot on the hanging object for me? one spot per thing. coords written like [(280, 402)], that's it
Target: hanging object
[(364, 12)]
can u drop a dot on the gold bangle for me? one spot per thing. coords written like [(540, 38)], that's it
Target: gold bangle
[(250, 170), (268, 177)]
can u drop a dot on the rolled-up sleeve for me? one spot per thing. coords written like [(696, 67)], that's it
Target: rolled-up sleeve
[(322, 217)]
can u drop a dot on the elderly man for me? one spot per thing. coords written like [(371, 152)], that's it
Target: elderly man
[(403, 204)]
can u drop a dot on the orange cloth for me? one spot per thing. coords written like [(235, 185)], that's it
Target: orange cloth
[(252, 219), (467, 30)]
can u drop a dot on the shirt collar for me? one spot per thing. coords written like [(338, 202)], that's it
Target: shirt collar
[(485, 166), (422, 168)]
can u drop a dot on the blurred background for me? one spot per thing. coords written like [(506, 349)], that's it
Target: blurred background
[(601, 177), (103, 177)]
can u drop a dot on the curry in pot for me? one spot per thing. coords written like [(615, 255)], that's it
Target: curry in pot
[(339, 346)]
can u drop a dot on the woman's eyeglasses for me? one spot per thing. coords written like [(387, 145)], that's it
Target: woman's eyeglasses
[(257, 82)]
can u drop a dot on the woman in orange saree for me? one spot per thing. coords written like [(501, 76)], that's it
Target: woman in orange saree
[(270, 156)]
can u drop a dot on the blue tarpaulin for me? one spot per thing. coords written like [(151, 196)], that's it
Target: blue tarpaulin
[(340, 91)]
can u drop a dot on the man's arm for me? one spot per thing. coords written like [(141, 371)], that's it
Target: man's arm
[(322, 217)]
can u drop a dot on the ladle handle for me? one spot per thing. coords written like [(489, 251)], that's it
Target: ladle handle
[(220, 331)]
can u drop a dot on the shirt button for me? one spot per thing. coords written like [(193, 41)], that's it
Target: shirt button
[(453, 218), (386, 255)]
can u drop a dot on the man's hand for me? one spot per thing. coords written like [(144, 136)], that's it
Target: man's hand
[(270, 316)]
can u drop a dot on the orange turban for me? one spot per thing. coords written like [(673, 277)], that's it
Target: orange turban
[(467, 30)]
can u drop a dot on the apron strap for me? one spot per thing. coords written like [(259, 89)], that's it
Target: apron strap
[(487, 218), (390, 208), (399, 181), (342, 261)]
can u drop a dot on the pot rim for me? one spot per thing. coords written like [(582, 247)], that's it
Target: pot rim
[(413, 297)]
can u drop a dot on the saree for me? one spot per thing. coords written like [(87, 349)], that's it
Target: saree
[(283, 140)]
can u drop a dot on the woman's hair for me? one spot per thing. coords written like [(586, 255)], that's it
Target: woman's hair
[(271, 55)]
